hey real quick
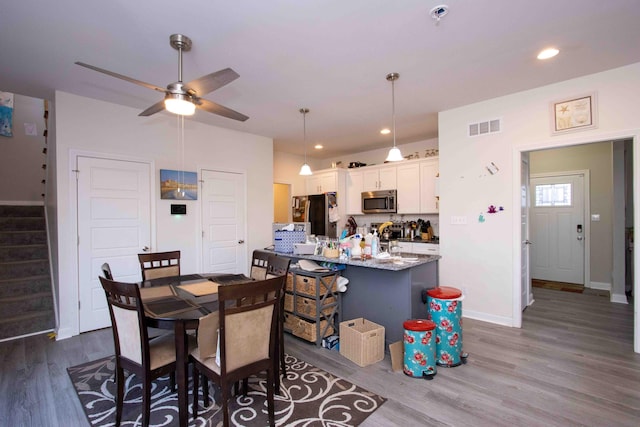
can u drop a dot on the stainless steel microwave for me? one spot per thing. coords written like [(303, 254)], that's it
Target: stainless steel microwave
[(379, 201)]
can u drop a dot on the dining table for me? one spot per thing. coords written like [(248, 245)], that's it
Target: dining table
[(176, 303)]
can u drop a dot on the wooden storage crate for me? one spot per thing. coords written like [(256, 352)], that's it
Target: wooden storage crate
[(288, 302), (306, 329), (309, 285), (362, 341), (308, 306)]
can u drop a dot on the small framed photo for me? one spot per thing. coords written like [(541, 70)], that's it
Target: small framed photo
[(574, 114), (178, 185)]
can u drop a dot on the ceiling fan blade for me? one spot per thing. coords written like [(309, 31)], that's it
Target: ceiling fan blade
[(120, 76), (158, 106), (220, 110), (213, 81)]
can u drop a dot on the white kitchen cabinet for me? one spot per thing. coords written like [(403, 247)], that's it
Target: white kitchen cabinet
[(408, 197), (428, 179), (324, 182), (406, 247), (355, 185), (379, 178), (426, 248)]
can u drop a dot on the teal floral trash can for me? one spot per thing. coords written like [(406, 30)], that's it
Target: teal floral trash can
[(444, 307), (419, 348)]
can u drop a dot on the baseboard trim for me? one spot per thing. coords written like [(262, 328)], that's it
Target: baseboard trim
[(600, 286), (619, 298), (21, 203), (46, 331), (499, 320)]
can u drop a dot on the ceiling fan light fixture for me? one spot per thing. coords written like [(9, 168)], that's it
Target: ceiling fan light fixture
[(177, 103)]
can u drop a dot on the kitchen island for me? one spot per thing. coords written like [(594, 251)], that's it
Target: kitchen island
[(386, 293)]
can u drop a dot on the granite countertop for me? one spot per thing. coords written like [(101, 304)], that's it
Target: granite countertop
[(406, 239), (396, 265)]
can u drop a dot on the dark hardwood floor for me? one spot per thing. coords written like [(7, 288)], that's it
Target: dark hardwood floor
[(572, 364)]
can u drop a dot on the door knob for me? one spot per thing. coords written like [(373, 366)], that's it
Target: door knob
[(579, 237), (241, 241), (145, 249), (527, 242)]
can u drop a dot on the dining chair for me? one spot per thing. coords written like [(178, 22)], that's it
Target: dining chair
[(159, 264), (259, 263), (134, 351), (106, 271), (245, 328), (278, 266)]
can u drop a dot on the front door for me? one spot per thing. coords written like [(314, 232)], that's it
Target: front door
[(557, 228), (525, 277), (114, 225), (223, 222)]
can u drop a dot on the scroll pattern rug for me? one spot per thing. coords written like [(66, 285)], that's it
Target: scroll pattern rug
[(309, 397)]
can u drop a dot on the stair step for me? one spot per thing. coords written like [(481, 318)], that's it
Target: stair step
[(23, 304), (28, 323), (25, 286), (21, 211), (12, 238), (23, 269), (23, 253), (22, 224)]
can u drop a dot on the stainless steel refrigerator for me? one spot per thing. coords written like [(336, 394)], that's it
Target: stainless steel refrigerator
[(315, 209)]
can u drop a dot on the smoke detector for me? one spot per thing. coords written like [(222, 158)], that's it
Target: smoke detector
[(438, 12)]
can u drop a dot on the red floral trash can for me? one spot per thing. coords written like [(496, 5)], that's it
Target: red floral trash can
[(444, 308), (419, 348)]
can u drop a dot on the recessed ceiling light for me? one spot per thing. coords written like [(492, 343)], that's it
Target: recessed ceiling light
[(385, 131), (438, 12), (548, 53), (318, 147)]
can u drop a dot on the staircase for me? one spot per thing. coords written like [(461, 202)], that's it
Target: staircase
[(26, 296)]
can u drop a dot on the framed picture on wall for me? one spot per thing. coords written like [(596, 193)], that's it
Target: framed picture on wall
[(178, 185), (574, 114)]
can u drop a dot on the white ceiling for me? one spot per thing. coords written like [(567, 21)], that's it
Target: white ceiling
[(330, 56)]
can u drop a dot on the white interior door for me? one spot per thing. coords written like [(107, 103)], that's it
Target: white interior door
[(557, 228), (114, 224), (223, 222), (525, 279)]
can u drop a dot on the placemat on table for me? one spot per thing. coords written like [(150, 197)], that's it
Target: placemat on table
[(148, 294), (168, 306), (198, 289)]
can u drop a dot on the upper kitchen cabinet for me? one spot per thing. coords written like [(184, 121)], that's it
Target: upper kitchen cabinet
[(322, 182), (355, 187), (408, 196), (380, 178), (428, 188)]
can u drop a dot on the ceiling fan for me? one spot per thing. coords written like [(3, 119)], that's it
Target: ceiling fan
[(183, 98)]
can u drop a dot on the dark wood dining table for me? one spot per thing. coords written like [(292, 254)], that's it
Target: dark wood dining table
[(176, 303)]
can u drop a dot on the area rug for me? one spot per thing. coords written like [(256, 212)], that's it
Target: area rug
[(309, 397)]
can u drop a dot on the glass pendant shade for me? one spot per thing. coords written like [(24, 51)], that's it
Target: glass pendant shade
[(177, 104), (394, 155), (305, 170)]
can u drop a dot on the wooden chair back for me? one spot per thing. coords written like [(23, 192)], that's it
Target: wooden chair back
[(159, 264), (259, 263)]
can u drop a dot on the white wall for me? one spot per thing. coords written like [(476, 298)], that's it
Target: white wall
[(484, 258), (87, 125)]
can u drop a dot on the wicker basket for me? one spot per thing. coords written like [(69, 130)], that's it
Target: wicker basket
[(362, 341), (305, 329)]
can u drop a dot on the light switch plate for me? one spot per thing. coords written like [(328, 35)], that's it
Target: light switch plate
[(595, 217), (458, 220)]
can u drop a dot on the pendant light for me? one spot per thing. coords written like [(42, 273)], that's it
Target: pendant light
[(305, 169), (394, 154)]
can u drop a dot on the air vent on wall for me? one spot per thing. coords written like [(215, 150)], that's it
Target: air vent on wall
[(483, 128)]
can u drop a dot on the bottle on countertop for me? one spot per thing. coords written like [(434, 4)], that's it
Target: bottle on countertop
[(375, 244)]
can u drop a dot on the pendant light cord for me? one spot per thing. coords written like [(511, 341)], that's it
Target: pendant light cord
[(393, 109)]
